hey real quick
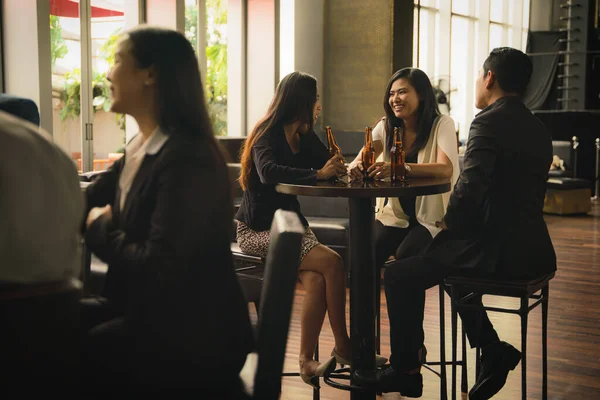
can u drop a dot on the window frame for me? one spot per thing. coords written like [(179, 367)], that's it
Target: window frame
[(515, 23)]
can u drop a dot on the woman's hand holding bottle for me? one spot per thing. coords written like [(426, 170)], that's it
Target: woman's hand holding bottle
[(332, 168), (379, 170)]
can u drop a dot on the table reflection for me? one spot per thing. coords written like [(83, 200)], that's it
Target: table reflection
[(368, 183)]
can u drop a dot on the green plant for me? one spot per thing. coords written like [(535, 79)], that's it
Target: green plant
[(72, 92), (107, 52), (58, 47), (191, 24), (108, 48)]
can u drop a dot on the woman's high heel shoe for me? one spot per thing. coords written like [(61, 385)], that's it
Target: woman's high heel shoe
[(324, 369), (311, 380), (379, 360)]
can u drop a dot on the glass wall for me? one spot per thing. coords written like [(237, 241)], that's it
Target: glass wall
[(65, 53), (109, 132), (97, 36)]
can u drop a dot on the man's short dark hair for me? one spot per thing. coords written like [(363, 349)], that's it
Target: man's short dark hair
[(512, 68)]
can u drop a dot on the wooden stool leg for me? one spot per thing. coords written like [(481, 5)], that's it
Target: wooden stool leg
[(545, 292), (523, 313), (454, 306), (443, 378)]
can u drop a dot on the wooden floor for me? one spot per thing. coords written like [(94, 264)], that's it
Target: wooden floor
[(573, 326)]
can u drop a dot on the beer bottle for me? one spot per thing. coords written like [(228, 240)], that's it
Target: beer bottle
[(334, 149), (368, 154), (397, 158)]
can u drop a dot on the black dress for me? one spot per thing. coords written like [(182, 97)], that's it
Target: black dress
[(274, 162)]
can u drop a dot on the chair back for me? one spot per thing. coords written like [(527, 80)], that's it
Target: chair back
[(281, 272), (232, 146), (564, 150)]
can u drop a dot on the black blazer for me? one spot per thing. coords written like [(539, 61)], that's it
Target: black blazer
[(494, 216), (273, 163), (170, 266)]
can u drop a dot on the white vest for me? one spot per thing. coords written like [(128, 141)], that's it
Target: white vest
[(432, 208)]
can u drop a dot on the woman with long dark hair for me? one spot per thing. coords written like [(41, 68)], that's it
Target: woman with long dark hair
[(405, 226), (283, 148), (173, 314)]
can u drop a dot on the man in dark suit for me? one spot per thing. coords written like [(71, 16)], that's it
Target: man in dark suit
[(20, 107), (493, 228)]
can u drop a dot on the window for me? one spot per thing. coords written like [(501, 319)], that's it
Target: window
[(498, 35), (453, 38), (93, 141), (463, 7), (428, 27), (461, 71), (207, 30), (497, 10)]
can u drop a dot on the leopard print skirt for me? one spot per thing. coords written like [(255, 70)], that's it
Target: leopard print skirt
[(257, 243)]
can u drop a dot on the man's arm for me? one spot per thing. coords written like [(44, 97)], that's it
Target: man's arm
[(465, 211)]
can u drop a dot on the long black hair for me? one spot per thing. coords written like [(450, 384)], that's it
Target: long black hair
[(294, 100), (180, 105), (426, 113)]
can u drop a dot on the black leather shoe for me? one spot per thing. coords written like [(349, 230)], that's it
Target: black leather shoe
[(496, 362), (388, 379)]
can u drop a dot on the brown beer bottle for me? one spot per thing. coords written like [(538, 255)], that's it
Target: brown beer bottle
[(334, 149), (368, 154), (397, 158)]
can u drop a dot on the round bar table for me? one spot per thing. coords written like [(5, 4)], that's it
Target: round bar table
[(362, 258)]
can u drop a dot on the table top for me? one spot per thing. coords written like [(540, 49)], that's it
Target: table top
[(368, 189)]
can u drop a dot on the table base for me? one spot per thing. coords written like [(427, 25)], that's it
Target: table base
[(362, 293)]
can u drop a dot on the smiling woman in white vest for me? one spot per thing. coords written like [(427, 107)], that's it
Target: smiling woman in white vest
[(407, 225)]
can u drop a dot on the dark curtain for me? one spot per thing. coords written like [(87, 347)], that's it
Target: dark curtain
[(542, 93)]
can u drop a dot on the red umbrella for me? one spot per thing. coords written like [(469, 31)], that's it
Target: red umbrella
[(70, 9)]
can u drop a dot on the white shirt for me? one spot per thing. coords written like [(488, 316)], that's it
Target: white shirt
[(378, 133), (430, 208), (41, 207), (135, 152)]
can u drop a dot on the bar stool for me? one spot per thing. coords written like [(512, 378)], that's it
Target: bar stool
[(427, 364), (524, 290), (250, 272)]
